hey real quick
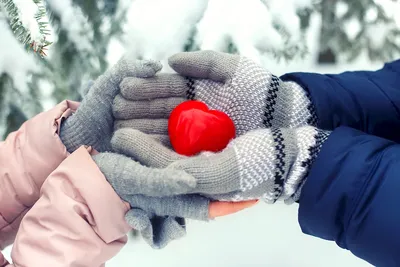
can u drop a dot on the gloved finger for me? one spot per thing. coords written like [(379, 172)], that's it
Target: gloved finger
[(137, 219), (159, 108), (163, 230), (212, 65), (187, 206), (215, 173), (129, 177), (143, 148), (172, 229), (160, 86), (157, 231), (126, 67), (163, 139), (148, 126)]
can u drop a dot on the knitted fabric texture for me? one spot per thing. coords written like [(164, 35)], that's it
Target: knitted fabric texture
[(259, 99), (253, 97), (269, 164)]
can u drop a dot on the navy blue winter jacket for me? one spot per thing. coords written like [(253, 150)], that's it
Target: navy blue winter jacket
[(352, 194)]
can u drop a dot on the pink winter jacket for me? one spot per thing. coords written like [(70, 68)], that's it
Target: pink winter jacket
[(64, 210)]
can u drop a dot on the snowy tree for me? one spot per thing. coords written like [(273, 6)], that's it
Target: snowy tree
[(351, 28), (80, 30)]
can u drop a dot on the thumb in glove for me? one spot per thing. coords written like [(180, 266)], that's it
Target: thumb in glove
[(92, 124)]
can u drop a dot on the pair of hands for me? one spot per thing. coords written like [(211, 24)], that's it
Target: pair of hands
[(93, 124), (263, 162)]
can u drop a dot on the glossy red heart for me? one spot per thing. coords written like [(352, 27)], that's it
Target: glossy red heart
[(194, 128)]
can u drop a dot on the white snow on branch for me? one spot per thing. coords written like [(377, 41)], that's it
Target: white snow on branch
[(250, 25), (74, 22), (28, 10), (392, 9), (14, 60), (246, 24), (157, 28)]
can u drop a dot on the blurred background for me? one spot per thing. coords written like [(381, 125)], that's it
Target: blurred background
[(50, 49)]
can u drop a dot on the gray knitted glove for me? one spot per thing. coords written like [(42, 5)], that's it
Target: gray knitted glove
[(151, 216), (127, 176), (157, 231), (252, 96), (148, 212), (92, 124), (268, 164)]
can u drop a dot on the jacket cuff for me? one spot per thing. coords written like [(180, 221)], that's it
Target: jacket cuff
[(27, 157)]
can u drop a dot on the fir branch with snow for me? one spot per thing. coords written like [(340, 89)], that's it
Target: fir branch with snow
[(27, 22)]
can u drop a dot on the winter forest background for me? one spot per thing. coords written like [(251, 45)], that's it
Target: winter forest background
[(50, 49)]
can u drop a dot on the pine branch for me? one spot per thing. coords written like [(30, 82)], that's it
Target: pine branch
[(32, 35)]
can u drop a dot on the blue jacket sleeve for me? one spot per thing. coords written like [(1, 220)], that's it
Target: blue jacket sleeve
[(352, 196), (365, 100)]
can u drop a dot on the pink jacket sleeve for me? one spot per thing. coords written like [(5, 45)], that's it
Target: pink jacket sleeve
[(27, 157), (78, 220)]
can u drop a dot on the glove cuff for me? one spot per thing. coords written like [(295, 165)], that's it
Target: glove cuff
[(273, 163), (73, 136), (308, 152), (289, 105)]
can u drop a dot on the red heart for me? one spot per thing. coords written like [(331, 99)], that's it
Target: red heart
[(194, 128)]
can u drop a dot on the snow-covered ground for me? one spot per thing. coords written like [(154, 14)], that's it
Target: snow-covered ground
[(265, 235)]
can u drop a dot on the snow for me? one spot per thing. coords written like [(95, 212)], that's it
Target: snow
[(248, 26), (10, 50), (257, 237), (341, 8), (156, 30), (352, 27), (27, 11), (377, 33), (74, 22)]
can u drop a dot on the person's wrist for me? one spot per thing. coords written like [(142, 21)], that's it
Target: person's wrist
[(312, 151), (70, 134)]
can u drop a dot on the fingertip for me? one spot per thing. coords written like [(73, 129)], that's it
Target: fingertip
[(174, 59), (156, 65), (137, 219), (120, 138), (222, 208), (177, 230)]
